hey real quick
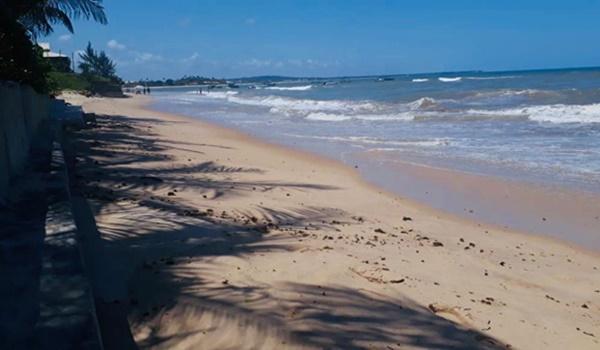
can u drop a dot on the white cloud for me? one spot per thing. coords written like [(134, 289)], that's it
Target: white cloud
[(308, 63), (115, 45), (133, 57), (147, 57), (193, 57), (65, 37), (255, 62), (250, 21), (292, 64)]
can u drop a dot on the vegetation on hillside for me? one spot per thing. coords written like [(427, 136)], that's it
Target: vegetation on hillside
[(185, 80), (60, 81), (97, 76)]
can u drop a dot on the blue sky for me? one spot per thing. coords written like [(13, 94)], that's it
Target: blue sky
[(156, 39)]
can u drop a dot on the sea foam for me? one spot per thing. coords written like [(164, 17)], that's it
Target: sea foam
[(333, 117), (217, 94), (423, 109), (449, 80), (493, 77), (561, 113), (290, 88), (289, 105)]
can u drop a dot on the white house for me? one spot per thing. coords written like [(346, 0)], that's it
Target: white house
[(48, 53)]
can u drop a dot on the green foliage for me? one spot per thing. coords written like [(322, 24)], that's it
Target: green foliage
[(86, 84), (97, 75), (60, 81), (104, 86), (59, 64), (20, 59), (21, 21), (96, 63)]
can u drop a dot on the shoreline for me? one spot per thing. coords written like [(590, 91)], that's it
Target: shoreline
[(465, 204), (559, 213), (337, 246)]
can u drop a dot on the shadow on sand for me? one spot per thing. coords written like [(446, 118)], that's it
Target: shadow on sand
[(151, 264)]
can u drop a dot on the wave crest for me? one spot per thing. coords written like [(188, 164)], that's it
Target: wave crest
[(449, 80), (290, 88), (423, 109), (560, 113)]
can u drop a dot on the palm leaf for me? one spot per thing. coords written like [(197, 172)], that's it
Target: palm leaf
[(41, 19), (88, 9), (39, 16)]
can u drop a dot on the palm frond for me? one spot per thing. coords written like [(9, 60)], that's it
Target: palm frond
[(88, 9), (39, 16)]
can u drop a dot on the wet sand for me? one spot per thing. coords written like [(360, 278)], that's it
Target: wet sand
[(568, 214), (207, 238)]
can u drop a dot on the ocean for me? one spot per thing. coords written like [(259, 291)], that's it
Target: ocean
[(541, 126), (519, 150)]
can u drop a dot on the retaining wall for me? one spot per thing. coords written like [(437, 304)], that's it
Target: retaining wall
[(23, 112)]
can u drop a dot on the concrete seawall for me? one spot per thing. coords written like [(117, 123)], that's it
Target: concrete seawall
[(23, 112)]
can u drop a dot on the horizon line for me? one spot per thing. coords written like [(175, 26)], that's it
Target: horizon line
[(420, 73), (379, 75)]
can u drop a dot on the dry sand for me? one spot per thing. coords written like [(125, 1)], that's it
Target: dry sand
[(209, 239)]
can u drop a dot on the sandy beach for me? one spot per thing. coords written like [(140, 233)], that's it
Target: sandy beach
[(209, 239)]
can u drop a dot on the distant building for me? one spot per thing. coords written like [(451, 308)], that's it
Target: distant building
[(59, 62)]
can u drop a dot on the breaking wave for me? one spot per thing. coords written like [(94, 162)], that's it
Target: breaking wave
[(449, 80), (215, 94), (290, 88), (287, 105), (333, 117), (558, 113), (423, 109), (494, 77), (373, 141)]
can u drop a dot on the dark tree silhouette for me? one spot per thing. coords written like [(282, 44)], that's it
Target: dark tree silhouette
[(22, 21), (39, 16), (96, 63)]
